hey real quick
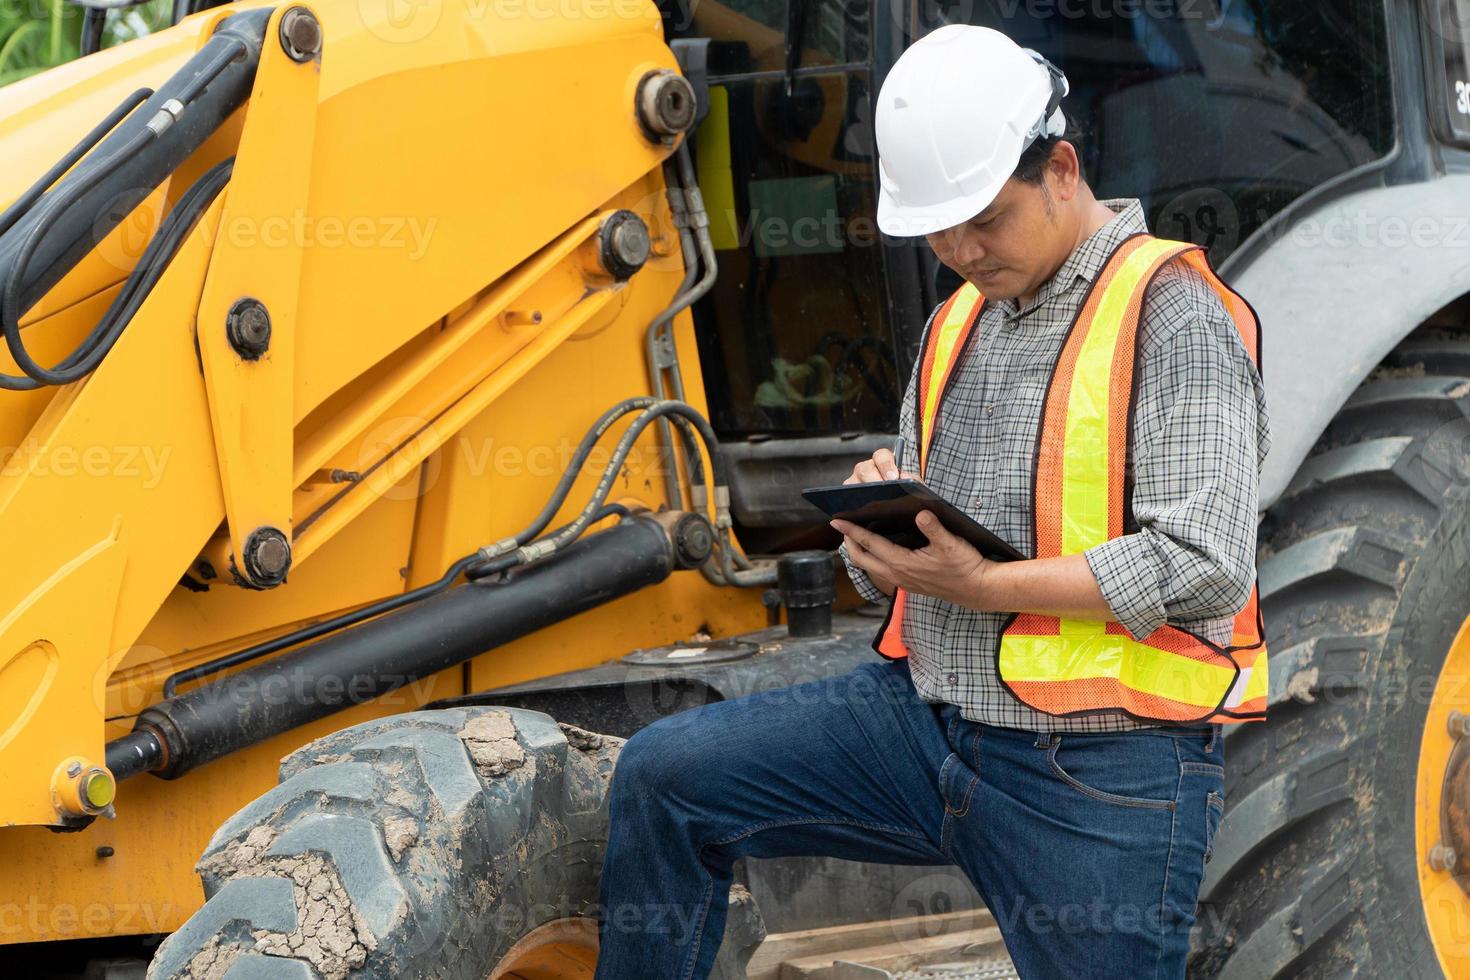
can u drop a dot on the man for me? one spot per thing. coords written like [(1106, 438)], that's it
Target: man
[(1052, 726)]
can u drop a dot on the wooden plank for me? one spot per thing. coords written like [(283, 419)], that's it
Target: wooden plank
[(947, 948), (839, 941)]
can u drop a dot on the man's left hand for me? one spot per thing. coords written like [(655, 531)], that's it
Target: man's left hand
[(948, 567)]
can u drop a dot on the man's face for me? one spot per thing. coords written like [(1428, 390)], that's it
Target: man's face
[(1009, 249)]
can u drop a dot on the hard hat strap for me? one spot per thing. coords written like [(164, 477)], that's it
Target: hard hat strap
[(1050, 123)]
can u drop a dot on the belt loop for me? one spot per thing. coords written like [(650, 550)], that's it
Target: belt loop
[(1043, 740), (1214, 730)]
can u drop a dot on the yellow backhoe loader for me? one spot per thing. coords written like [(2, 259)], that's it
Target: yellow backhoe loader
[(402, 401)]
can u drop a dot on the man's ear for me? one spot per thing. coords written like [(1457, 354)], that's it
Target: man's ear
[(1063, 171)]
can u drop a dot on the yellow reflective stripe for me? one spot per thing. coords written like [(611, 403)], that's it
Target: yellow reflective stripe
[(1143, 668), (1258, 685), (943, 342), (1085, 458)]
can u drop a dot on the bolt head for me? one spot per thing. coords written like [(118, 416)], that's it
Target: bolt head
[(630, 241), (1442, 857), (267, 558), (301, 34), (248, 327), (1458, 724), (625, 245), (666, 103), (74, 770)]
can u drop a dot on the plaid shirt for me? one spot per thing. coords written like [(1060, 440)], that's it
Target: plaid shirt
[(1200, 434)]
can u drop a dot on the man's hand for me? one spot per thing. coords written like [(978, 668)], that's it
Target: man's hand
[(948, 567), (881, 467)]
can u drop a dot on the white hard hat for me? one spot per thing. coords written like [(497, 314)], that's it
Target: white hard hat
[(953, 118)]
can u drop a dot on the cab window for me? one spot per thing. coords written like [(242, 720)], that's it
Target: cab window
[(794, 337), (1216, 113)]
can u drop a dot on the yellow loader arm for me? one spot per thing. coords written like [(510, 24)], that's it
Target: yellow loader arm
[(409, 226)]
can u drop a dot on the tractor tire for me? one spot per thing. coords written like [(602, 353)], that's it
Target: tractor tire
[(436, 844), (1363, 569)]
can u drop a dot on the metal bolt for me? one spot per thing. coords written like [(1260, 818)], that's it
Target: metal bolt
[(1459, 724), (1442, 857), (624, 244), (248, 327), (301, 34), (666, 103), (267, 558), (105, 851), (74, 770)]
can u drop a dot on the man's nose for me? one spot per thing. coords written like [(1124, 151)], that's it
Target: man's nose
[(968, 250)]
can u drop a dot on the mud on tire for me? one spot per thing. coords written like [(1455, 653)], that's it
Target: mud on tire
[(421, 845)]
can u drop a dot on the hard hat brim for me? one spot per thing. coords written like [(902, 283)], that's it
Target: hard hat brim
[(900, 221)]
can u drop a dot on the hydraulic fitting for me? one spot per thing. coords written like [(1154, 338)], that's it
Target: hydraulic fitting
[(81, 789)]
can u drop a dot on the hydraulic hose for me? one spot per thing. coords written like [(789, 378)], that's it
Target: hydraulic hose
[(504, 555), (112, 170)]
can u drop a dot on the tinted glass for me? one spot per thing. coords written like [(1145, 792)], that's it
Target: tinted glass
[(749, 35), (1216, 113), (1450, 23), (793, 337)]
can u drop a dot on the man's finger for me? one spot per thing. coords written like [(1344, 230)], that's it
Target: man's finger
[(936, 532), (867, 561), (885, 550), (886, 464)]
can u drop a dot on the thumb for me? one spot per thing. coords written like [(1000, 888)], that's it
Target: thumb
[(936, 532)]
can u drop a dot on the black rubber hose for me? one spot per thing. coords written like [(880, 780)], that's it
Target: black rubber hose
[(145, 144), (33, 194)]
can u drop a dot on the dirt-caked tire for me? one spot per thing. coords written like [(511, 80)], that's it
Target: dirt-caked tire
[(1365, 582), (463, 843)]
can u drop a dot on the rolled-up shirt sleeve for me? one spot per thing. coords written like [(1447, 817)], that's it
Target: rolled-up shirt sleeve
[(1200, 434)]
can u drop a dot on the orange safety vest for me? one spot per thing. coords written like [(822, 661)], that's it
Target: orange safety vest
[(1081, 499)]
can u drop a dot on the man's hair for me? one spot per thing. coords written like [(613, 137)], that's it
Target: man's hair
[(1033, 160)]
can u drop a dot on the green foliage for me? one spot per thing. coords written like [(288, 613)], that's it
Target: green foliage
[(38, 34)]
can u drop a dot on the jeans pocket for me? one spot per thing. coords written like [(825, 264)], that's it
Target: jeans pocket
[(1214, 811), (1128, 764), (957, 783)]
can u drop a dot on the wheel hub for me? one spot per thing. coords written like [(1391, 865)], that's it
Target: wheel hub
[(1454, 817), (1442, 811)]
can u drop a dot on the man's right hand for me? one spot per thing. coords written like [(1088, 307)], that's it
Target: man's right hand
[(881, 467)]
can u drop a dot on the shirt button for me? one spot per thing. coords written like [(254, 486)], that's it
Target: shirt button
[(989, 410), (952, 679)]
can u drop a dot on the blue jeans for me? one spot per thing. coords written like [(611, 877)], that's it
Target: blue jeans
[(1087, 849)]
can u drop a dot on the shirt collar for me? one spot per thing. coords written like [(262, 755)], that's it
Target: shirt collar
[(1087, 259)]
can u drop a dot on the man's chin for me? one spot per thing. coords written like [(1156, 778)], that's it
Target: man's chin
[(1000, 285)]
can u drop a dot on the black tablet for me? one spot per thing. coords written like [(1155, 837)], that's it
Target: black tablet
[(890, 507)]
